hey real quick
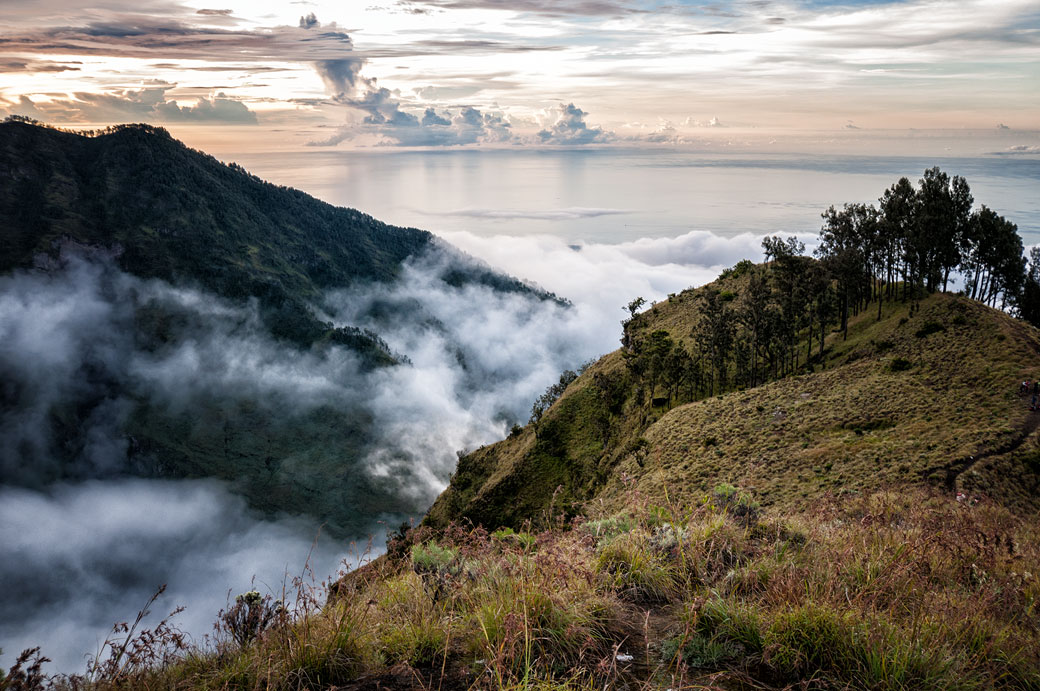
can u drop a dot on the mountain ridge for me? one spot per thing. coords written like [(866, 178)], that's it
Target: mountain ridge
[(886, 429)]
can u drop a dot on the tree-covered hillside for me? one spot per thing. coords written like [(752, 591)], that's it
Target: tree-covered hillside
[(167, 211), (164, 315)]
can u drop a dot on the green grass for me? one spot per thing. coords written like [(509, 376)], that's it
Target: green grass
[(905, 400)]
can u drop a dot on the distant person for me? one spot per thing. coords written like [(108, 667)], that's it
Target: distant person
[(1023, 388), (1036, 394)]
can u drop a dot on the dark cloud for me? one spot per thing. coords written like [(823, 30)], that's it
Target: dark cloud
[(309, 21), (170, 39), (214, 13), (29, 65), (570, 127), (150, 103), (340, 76)]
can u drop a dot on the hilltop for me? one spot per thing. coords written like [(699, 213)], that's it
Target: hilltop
[(926, 395), (166, 211)]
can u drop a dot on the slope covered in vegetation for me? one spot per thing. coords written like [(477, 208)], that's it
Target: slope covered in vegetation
[(907, 399), (167, 211), (802, 376), (887, 590)]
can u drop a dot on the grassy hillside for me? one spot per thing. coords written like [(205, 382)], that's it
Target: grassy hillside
[(927, 395), (888, 590), (804, 533)]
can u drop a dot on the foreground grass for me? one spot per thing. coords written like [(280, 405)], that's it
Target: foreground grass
[(895, 590)]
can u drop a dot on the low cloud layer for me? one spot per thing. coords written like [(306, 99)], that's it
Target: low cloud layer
[(78, 558), (1020, 150), (95, 544), (568, 214)]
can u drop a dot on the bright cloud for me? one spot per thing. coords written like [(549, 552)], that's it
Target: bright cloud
[(480, 72)]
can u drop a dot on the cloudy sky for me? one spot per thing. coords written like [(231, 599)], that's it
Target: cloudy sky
[(522, 72)]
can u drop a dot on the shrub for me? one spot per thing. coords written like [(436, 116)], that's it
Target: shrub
[(251, 615), (437, 567), (635, 568), (737, 502), (929, 328), (899, 365)]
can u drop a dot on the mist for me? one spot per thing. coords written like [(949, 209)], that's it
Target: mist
[(90, 517)]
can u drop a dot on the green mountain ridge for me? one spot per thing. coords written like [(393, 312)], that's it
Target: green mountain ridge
[(166, 211), (924, 396), (132, 199)]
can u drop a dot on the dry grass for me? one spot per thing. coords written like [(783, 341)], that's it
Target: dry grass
[(949, 417), (892, 590)]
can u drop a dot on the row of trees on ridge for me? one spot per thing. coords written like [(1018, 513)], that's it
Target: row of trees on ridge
[(774, 320)]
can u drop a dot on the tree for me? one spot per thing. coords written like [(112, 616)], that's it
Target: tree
[(716, 337), (844, 243), (899, 223), (1029, 301)]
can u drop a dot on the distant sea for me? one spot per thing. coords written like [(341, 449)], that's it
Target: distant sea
[(611, 196)]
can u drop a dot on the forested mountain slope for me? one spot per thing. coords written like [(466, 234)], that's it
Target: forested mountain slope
[(166, 315), (167, 211)]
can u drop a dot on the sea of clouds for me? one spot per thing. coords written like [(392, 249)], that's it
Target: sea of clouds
[(86, 545)]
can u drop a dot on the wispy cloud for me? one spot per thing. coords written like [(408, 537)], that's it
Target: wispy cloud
[(551, 8), (1019, 150), (568, 214)]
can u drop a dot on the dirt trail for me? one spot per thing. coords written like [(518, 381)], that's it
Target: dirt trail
[(956, 468)]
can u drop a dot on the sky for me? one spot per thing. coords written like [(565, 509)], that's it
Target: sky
[(295, 74)]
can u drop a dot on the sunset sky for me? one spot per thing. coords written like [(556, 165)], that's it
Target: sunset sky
[(534, 73)]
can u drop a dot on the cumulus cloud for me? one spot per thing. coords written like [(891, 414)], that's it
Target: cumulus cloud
[(431, 118), (693, 122), (567, 126), (391, 125)]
